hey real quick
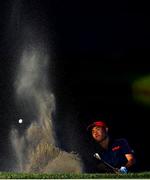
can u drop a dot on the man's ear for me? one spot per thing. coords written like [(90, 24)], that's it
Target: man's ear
[(106, 129)]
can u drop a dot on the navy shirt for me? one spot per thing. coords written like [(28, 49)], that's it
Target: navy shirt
[(114, 155)]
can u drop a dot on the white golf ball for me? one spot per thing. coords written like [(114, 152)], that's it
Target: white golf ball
[(20, 121)]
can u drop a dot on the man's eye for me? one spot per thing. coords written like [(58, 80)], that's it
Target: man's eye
[(94, 132)]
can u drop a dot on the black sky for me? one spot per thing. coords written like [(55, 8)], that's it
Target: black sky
[(99, 48)]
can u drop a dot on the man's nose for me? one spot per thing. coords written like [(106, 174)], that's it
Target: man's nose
[(96, 133)]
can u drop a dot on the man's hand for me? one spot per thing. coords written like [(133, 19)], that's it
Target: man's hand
[(123, 170)]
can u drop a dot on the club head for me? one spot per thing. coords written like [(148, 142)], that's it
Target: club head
[(97, 156)]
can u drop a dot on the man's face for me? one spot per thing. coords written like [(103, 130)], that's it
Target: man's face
[(99, 133)]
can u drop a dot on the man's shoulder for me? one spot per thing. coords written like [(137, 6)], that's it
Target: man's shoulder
[(122, 145), (120, 141)]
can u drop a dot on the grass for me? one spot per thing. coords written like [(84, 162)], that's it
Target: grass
[(10, 175)]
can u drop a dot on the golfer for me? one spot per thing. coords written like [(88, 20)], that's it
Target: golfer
[(115, 152)]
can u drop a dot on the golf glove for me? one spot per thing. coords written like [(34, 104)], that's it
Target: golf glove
[(123, 170)]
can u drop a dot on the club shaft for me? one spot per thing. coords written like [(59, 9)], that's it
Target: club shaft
[(96, 155), (114, 169)]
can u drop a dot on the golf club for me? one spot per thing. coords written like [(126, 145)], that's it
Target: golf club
[(97, 156)]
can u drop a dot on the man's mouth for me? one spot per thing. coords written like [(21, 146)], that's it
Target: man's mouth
[(97, 136)]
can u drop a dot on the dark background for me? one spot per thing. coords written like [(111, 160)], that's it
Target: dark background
[(99, 48)]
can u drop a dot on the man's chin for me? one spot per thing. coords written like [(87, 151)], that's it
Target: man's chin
[(98, 140)]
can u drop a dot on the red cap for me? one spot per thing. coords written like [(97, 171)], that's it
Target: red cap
[(97, 123)]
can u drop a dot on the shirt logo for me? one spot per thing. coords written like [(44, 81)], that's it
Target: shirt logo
[(116, 148)]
